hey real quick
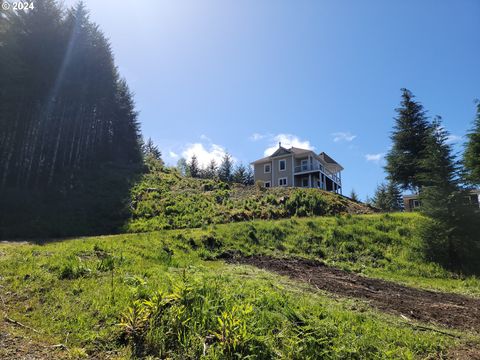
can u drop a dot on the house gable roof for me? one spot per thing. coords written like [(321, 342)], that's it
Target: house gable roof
[(281, 151)]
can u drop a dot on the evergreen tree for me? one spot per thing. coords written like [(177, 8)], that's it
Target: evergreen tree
[(387, 198), (394, 197), (471, 157), (193, 167), (353, 195), (451, 233), (404, 160), (182, 167), (440, 168), (249, 176), (152, 156), (69, 125), (380, 198), (211, 170), (225, 169), (151, 150), (239, 174)]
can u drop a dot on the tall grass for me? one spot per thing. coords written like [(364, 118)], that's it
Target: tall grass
[(170, 302)]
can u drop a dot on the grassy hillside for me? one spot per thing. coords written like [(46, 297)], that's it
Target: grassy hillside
[(174, 297), (166, 200)]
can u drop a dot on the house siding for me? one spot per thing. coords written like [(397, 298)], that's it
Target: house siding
[(260, 174), (287, 173)]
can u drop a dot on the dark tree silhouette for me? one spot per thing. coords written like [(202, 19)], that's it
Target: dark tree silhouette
[(69, 124)]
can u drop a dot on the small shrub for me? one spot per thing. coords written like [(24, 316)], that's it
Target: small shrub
[(211, 242), (73, 270)]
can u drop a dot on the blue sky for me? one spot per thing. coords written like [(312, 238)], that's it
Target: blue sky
[(238, 76)]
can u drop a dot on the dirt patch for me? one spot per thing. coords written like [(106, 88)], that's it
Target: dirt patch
[(14, 346), (450, 310), (467, 352)]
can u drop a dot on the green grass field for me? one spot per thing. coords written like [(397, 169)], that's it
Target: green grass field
[(165, 294)]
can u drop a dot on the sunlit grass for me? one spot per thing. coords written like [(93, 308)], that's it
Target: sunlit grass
[(77, 290)]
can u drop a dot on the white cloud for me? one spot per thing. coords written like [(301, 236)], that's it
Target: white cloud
[(343, 136), (205, 154), (205, 137), (257, 136), (172, 154), (452, 139), (375, 158), (287, 140)]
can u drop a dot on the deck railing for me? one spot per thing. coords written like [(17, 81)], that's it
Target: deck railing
[(309, 167), (317, 167)]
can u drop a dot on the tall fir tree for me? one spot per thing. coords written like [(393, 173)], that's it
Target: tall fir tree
[(471, 156), (404, 160), (193, 167), (211, 170), (150, 149), (380, 198), (451, 233), (387, 198), (182, 167), (394, 197), (249, 176), (239, 174), (225, 169)]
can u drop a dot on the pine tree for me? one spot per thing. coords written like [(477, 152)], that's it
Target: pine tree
[(193, 167), (404, 160), (151, 150), (249, 176), (471, 156), (387, 198), (353, 195), (70, 132), (451, 233), (440, 168), (394, 197), (182, 167), (225, 169), (211, 170), (380, 198), (239, 174)]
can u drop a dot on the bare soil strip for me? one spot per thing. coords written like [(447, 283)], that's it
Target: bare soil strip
[(450, 310), (18, 347)]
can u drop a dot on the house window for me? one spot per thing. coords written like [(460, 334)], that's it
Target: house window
[(282, 182), (282, 164), (305, 182), (267, 184), (266, 168), (304, 165), (416, 203)]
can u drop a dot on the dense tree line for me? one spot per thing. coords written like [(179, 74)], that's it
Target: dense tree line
[(421, 159), (225, 171), (68, 120)]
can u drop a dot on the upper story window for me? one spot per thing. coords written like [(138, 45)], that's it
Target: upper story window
[(266, 168), (282, 164), (282, 182), (304, 165)]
